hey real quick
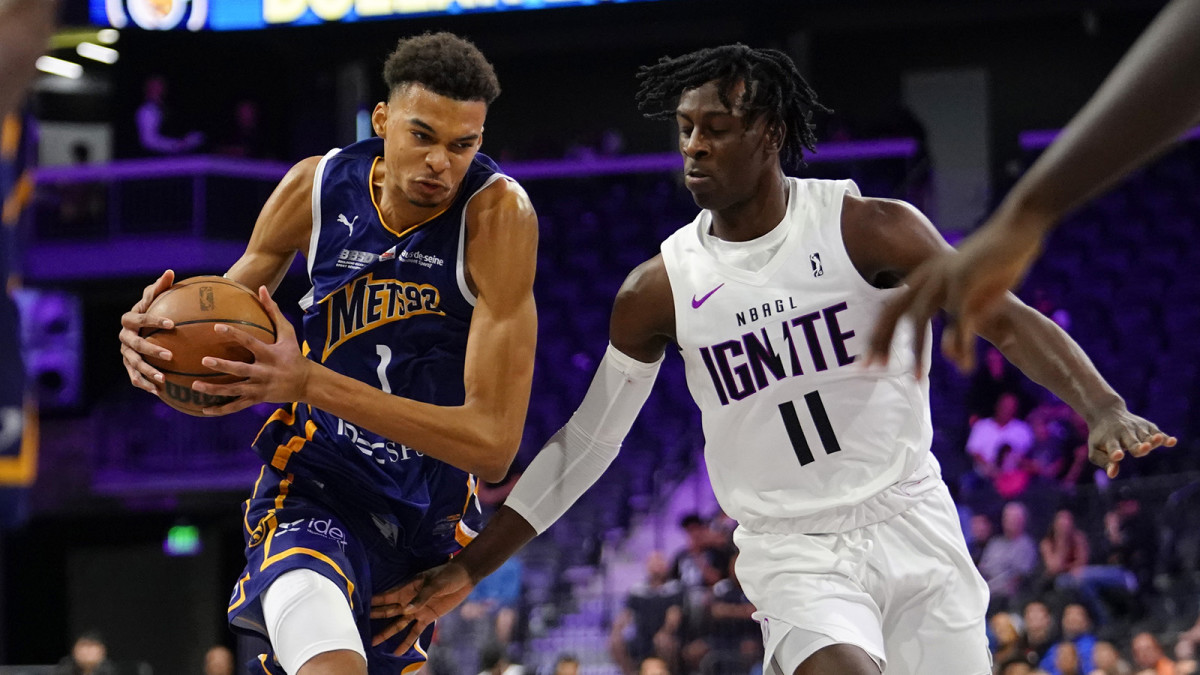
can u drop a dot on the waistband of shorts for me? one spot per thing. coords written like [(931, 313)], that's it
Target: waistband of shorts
[(897, 498)]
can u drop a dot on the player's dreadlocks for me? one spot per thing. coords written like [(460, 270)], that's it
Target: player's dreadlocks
[(444, 64), (773, 88)]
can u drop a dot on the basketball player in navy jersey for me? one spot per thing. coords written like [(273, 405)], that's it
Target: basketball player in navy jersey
[(851, 549), (1149, 99), (419, 333)]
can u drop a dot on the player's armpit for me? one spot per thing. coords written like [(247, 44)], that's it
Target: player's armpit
[(283, 227)]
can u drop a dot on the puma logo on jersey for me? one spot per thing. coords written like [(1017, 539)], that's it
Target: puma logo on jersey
[(815, 260), (348, 223)]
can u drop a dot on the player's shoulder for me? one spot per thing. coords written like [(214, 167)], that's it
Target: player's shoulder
[(872, 213), (505, 200), (303, 173), (646, 283)]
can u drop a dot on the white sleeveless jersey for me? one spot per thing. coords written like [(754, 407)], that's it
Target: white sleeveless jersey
[(799, 436)]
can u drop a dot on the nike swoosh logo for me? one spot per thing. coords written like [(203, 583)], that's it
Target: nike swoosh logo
[(696, 303)]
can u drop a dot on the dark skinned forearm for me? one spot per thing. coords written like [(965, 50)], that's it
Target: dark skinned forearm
[(505, 534), (1149, 99), (1049, 357)]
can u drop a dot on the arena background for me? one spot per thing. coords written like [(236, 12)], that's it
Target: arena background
[(939, 102)]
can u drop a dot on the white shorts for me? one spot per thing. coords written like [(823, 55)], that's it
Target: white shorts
[(903, 589)]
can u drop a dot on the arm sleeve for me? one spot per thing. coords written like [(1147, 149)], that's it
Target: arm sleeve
[(578, 454)]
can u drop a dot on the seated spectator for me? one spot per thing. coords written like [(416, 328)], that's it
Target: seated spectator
[(1129, 540), (653, 665), (734, 637), (1053, 440), (1077, 634), (1009, 560), (979, 534), (1008, 636), (218, 660), (989, 435), (1040, 631), (1012, 474), (1014, 667), (995, 378), (89, 656), (1065, 556), (650, 623), (1148, 656), (566, 664), (698, 567), (1066, 660), (154, 124), (494, 660), (1106, 660)]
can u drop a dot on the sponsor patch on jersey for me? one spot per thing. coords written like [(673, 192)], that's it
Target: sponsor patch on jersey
[(422, 259), (355, 260)]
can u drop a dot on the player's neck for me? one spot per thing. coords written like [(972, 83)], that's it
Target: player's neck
[(756, 216), (398, 211)]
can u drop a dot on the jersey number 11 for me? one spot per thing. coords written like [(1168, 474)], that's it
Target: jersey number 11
[(819, 417)]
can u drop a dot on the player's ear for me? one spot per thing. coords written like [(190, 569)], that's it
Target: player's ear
[(775, 133), (379, 119)]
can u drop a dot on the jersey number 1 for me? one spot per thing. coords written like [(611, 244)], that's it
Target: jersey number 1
[(819, 417)]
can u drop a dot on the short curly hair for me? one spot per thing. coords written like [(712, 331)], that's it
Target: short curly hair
[(443, 63)]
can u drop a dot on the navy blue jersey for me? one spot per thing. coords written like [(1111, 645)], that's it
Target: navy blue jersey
[(390, 308)]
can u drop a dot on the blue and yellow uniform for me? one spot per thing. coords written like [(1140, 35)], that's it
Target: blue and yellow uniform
[(391, 308)]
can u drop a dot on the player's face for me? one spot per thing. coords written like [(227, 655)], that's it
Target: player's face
[(725, 158), (429, 142)]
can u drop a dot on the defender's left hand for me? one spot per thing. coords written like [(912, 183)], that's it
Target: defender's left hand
[(1118, 433), (418, 603), (278, 374)]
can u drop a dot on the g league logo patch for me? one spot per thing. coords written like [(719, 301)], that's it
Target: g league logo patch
[(157, 14), (815, 260)]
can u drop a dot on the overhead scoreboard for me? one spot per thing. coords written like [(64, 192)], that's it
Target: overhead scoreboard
[(199, 15)]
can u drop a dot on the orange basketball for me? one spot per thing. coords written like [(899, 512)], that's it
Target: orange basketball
[(196, 305)]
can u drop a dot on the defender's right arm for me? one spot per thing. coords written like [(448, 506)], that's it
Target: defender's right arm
[(283, 227), (642, 324), (25, 29)]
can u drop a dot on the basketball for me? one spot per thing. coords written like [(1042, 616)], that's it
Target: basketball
[(196, 305)]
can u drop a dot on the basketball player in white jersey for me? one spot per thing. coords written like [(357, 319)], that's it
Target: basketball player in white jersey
[(851, 548)]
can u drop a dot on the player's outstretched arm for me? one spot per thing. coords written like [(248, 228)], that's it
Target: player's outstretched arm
[(642, 324), (282, 228), (889, 239), (1149, 99), (25, 28)]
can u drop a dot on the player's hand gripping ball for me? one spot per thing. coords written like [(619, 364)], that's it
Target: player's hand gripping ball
[(196, 305)]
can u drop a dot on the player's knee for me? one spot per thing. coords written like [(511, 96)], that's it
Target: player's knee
[(311, 627), (839, 659)]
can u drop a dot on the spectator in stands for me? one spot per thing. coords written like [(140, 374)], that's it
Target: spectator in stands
[(653, 665), (1009, 560), (981, 532), (1053, 439), (1129, 540), (989, 435), (1185, 657), (1014, 667), (487, 617), (1040, 632), (650, 623), (566, 664), (1076, 633), (735, 639), (997, 377), (89, 656), (218, 660), (154, 123), (1065, 660), (1008, 637), (245, 137), (1065, 557), (698, 567), (494, 660), (1106, 660), (1149, 657)]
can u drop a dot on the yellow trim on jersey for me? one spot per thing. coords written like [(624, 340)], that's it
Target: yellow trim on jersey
[(268, 521), (288, 417), (305, 349), (262, 661), (269, 559), (414, 667), (246, 504), (379, 212), (283, 453), (16, 201), (21, 470), (10, 136), (241, 592)]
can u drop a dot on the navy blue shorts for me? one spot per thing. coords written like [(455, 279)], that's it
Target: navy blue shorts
[(287, 527)]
